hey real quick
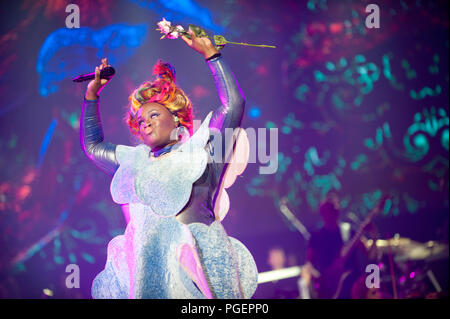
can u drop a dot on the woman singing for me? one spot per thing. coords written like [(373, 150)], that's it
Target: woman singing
[(174, 245)]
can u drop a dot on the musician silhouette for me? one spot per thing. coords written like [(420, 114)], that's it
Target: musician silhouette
[(337, 273)]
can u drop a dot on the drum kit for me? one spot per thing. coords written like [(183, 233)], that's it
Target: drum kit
[(412, 269)]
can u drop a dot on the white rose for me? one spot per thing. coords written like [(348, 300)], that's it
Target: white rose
[(164, 26)]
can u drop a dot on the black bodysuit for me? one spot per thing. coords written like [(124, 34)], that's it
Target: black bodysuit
[(229, 115)]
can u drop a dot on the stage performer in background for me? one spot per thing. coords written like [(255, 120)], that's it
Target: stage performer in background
[(174, 245), (339, 257)]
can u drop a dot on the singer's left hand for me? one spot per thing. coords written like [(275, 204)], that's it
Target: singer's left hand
[(202, 45)]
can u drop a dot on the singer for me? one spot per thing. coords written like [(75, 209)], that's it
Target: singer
[(174, 245)]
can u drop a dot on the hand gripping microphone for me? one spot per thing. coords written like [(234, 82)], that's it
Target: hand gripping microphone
[(105, 73)]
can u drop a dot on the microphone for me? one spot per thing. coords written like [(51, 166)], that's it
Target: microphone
[(105, 73)]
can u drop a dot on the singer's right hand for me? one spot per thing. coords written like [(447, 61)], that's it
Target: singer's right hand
[(96, 85)]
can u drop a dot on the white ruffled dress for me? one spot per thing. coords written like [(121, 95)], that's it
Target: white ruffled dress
[(144, 262)]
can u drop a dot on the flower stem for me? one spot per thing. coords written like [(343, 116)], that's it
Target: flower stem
[(253, 45)]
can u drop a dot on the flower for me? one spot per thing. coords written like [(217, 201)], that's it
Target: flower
[(164, 26), (170, 32), (174, 33)]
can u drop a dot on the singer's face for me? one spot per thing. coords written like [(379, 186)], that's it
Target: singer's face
[(156, 124)]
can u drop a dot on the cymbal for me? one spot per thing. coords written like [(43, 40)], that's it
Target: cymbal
[(407, 249)]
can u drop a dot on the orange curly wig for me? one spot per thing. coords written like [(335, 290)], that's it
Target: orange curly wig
[(164, 91)]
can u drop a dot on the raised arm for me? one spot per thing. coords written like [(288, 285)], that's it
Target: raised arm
[(103, 154), (229, 114)]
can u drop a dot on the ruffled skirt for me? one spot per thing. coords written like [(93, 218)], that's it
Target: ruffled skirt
[(145, 263)]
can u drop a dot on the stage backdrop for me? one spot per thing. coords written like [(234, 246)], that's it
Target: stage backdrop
[(360, 112)]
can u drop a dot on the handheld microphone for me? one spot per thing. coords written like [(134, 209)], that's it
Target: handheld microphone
[(105, 73)]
